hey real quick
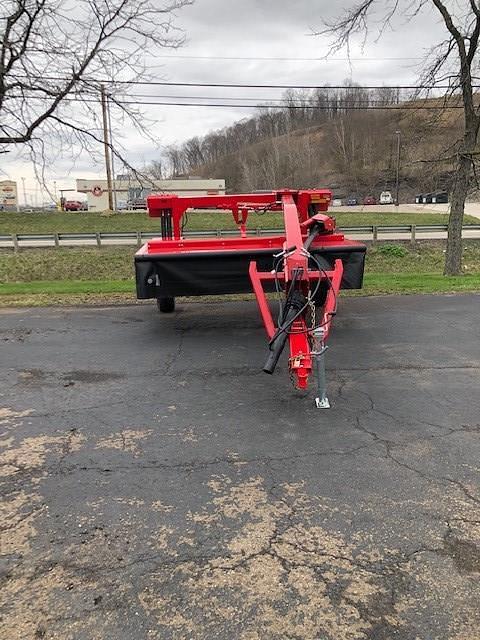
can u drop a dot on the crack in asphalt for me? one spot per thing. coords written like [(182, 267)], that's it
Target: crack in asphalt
[(243, 369), (170, 360), (390, 444), (194, 465)]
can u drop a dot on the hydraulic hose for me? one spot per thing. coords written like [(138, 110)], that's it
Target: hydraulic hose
[(314, 231), (294, 304)]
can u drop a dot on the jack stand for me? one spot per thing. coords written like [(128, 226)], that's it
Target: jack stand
[(321, 401)]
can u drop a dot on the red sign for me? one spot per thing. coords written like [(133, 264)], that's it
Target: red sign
[(97, 191)]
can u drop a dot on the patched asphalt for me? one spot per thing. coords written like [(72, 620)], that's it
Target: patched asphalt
[(156, 484)]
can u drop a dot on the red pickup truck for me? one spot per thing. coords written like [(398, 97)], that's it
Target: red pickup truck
[(75, 205)]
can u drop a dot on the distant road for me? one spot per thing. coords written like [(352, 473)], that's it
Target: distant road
[(471, 208)]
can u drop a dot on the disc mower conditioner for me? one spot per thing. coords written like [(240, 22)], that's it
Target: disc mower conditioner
[(306, 266)]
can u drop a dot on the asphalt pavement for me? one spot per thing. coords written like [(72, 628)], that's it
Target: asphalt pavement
[(157, 485)]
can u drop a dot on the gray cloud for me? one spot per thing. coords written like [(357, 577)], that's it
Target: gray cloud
[(254, 28)]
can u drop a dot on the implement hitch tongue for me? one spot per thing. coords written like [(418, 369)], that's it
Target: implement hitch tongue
[(309, 275)]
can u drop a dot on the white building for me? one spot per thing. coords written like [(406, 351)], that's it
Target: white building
[(129, 189)]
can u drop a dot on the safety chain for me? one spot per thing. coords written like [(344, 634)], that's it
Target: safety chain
[(313, 319)]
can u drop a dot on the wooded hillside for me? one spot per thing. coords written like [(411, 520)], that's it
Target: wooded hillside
[(343, 139)]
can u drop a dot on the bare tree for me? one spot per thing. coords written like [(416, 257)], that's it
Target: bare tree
[(175, 161), (155, 169), (452, 61), (55, 54)]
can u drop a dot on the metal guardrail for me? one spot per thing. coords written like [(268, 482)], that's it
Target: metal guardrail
[(138, 237)]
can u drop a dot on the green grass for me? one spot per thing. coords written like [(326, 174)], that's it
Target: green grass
[(77, 275), (409, 283), (49, 264), (64, 222), (424, 257), (70, 287), (345, 219), (116, 263), (51, 221), (72, 291)]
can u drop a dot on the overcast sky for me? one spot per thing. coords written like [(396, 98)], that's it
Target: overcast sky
[(249, 29)]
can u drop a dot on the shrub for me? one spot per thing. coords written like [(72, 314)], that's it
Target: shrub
[(394, 250)]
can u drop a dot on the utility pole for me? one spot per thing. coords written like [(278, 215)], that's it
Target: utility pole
[(24, 193), (397, 133), (112, 155), (57, 204), (106, 147)]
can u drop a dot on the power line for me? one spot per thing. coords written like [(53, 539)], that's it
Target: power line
[(223, 85), (285, 105), (366, 107), (284, 102), (78, 97), (284, 59)]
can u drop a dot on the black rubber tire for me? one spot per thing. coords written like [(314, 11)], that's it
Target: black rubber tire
[(166, 305)]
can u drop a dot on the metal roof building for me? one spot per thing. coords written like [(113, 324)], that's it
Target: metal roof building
[(128, 189)]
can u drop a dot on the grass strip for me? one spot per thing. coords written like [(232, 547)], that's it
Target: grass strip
[(89, 222), (116, 263), (111, 291), (409, 283), (67, 287)]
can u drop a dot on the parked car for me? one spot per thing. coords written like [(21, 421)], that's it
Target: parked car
[(427, 198), (351, 202), (441, 197), (369, 200), (386, 198), (75, 205), (137, 203)]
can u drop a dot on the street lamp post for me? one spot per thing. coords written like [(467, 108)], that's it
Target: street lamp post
[(397, 185)]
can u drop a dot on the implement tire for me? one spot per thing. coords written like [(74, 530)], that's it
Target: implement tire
[(166, 305)]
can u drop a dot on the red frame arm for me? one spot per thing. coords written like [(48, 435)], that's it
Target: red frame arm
[(238, 204)]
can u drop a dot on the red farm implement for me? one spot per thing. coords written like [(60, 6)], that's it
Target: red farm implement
[(306, 266)]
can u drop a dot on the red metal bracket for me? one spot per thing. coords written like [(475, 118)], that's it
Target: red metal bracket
[(307, 202), (256, 278), (330, 306), (327, 222)]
